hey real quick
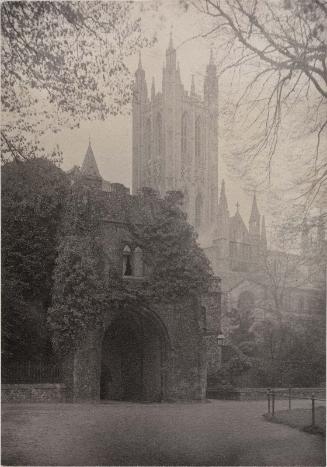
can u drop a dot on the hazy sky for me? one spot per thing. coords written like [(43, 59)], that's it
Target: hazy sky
[(112, 139)]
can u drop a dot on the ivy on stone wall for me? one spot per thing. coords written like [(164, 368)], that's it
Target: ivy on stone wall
[(79, 294), (87, 283), (177, 266)]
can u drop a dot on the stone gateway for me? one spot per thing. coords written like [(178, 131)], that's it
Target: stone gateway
[(141, 353)]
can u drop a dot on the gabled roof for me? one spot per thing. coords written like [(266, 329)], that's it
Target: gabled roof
[(89, 166)]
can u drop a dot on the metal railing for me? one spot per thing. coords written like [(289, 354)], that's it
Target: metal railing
[(30, 373), (281, 394)]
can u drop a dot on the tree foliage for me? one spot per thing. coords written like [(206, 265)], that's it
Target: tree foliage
[(62, 63), (33, 194), (177, 265)]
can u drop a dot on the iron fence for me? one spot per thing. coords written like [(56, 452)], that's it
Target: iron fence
[(30, 373), (293, 395)]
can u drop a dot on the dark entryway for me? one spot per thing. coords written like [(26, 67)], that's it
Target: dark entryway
[(133, 354)]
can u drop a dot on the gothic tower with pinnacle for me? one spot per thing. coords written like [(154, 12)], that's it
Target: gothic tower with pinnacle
[(175, 139)]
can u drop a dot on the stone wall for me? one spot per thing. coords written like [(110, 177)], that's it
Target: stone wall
[(181, 326), (33, 393)]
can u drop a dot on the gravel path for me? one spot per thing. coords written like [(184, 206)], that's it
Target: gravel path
[(114, 433)]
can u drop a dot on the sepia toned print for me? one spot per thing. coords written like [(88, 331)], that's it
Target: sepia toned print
[(164, 232)]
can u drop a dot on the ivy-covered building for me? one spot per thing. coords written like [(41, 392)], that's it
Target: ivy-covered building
[(149, 346)]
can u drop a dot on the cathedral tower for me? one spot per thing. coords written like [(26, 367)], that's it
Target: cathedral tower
[(175, 139)]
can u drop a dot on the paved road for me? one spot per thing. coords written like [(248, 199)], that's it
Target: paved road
[(212, 433)]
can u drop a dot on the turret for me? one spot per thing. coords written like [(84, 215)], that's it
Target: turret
[(254, 224), (170, 75), (140, 88), (171, 55), (140, 97), (192, 87), (223, 213), (211, 82), (263, 238), (222, 229), (211, 103)]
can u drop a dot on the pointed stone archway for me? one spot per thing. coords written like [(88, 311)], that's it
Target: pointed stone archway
[(133, 358)]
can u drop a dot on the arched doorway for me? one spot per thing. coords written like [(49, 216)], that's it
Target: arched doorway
[(134, 352)]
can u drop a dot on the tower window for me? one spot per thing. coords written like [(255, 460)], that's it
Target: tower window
[(159, 136), (198, 142), (184, 144), (148, 139), (127, 263)]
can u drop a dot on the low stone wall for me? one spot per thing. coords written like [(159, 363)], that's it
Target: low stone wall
[(243, 394), (33, 393)]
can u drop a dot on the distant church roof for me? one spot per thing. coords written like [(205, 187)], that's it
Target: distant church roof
[(89, 166)]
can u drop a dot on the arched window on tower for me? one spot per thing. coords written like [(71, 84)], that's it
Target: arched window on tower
[(138, 262), (184, 144), (148, 139), (198, 142), (148, 153), (127, 261), (159, 136), (198, 210)]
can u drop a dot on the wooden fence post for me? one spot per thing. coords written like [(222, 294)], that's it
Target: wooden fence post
[(313, 410), (268, 398), (273, 403)]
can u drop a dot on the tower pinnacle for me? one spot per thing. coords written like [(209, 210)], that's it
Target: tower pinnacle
[(255, 216), (211, 62), (171, 45), (171, 55), (254, 223), (140, 60), (222, 205)]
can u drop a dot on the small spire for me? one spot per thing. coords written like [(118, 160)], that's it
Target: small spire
[(89, 167), (192, 86), (211, 57), (140, 59), (223, 205), (171, 45), (255, 216), (237, 206)]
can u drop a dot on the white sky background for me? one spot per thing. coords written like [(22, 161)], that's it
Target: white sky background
[(112, 139)]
